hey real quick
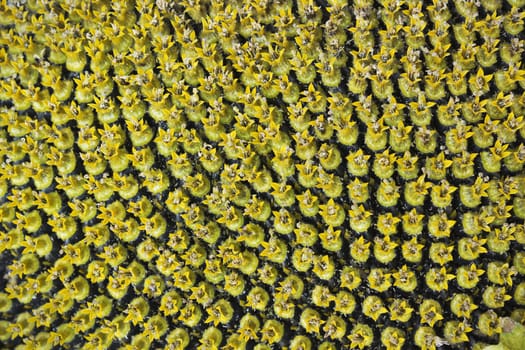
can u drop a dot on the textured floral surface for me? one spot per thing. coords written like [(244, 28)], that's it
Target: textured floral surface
[(231, 174)]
